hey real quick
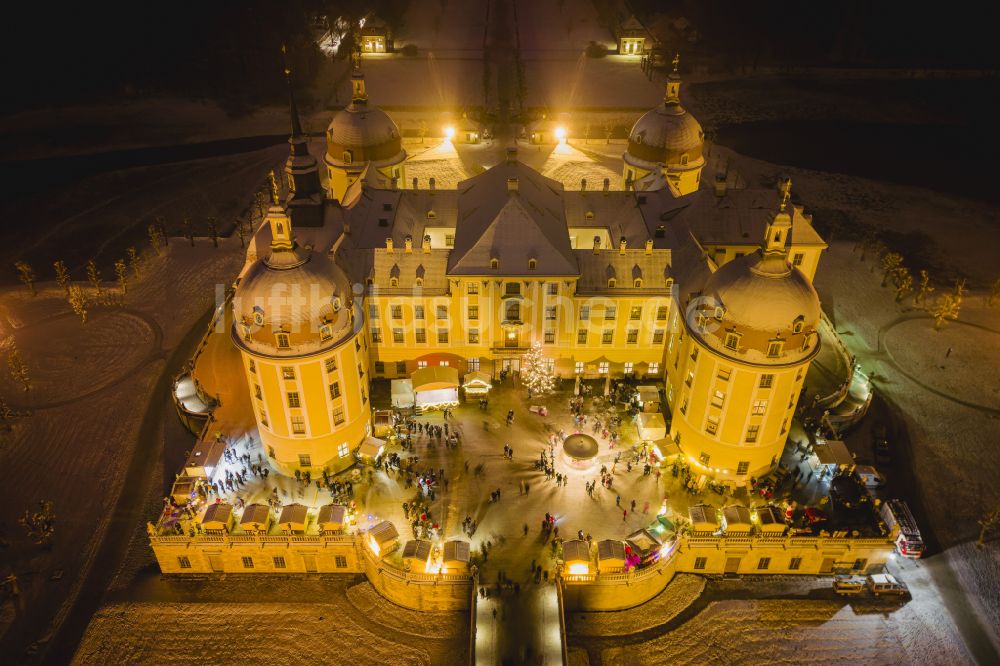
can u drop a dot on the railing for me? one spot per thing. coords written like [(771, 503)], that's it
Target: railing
[(234, 539)]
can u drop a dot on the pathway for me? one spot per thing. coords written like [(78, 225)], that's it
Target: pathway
[(520, 627)]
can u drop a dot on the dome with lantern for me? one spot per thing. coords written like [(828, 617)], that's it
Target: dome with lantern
[(362, 133), (667, 134)]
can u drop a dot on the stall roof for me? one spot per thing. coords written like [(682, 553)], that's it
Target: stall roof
[(576, 550), (833, 452), (770, 516), (419, 549), (383, 532), (332, 513), (643, 541), (293, 513), (255, 513), (206, 454), (455, 551), (703, 514), (371, 447), (611, 549), (477, 378), (652, 426), (220, 512), (648, 393), (737, 516), (434, 377)]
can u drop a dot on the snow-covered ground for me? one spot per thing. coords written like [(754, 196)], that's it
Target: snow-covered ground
[(682, 591)]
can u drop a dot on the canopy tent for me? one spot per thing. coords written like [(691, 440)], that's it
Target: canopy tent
[(610, 556), (644, 543), (332, 518), (455, 556), (649, 398), (737, 519), (417, 555), (402, 393), (576, 557), (476, 383), (832, 452), (703, 518), (218, 518), (205, 458), (293, 518), (371, 448), (383, 538), (256, 518), (651, 426), (435, 386)]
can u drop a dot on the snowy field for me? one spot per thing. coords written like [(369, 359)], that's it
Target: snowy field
[(682, 591)]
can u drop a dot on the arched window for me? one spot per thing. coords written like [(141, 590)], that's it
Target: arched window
[(612, 282), (281, 228), (684, 159), (393, 282), (797, 326), (719, 311), (532, 264), (348, 157), (494, 263), (420, 282)]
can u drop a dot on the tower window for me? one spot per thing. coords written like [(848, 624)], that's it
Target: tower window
[(733, 341), (282, 340), (325, 332), (287, 372), (532, 264), (684, 159), (293, 399), (348, 157), (637, 283), (797, 326), (393, 282), (611, 283), (298, 425), (766, 381), (494, 264), (774, 348)]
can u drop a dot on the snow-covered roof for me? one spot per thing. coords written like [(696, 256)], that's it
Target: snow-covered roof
[(611, 549), (255, 514), (576, 550), (417, 549), (332, 514), (455, 551), (703, 517), (294, 514)]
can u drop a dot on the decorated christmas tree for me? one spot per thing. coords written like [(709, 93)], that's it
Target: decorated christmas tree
[(536, 371)]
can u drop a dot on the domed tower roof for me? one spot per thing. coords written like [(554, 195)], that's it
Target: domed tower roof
[(366, 132), (759, 308), (666, 133), (294, 301)]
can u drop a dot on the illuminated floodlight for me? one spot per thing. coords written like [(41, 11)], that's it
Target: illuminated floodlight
[(561, 133), (449, 132)]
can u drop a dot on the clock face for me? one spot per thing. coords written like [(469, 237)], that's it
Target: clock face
[(336, 303), (258, 317)]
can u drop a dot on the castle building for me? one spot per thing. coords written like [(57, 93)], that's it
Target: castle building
[(369, 280), (666, 142)]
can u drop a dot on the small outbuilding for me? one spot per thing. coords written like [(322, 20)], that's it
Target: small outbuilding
[(649, 398), (576, 557), (294, 518), (371, 449), (205, 458), (455, 556), (644, 544), (610, 556), (218, 518), (476, 384), (332, 519), (383, 423), (383, 538), (736, 519), (256, 519), (435, 387), (417, 555), (704, 519)]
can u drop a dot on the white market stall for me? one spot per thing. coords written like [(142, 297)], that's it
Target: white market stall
[(576, 557), (383, 538), (651, 426), (455, 556), (294, 518), (402, 393), (417, 555), (371, 448), (476, 384), (771, 520), (649, 398), (218, 518), (256, 519), (435, 387), (610, 556)]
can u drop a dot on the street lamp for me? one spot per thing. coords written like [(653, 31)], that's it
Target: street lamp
[(561, 134), (449, 132)]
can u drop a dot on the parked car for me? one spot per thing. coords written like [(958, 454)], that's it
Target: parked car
[(881, 584), (849, 585)]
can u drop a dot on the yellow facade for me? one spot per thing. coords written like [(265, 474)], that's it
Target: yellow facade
[(341, 176)]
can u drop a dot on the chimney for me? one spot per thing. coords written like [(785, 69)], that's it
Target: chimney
[(597, 244), (621, 245), (427, 244), (512, 185), (408, 244), (415, 183), (607, 184), (583, 184), (512, 155), (649, 246), (720, 184), (394, 182), (388, 245), (432, 182)]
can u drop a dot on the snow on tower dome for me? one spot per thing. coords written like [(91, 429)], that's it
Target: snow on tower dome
[(360, 132), (667, 134), (292, 302)]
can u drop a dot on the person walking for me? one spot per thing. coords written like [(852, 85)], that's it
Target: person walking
[(624, 514), (618, 500)]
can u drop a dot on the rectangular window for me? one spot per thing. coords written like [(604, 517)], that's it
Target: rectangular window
[(263, 418), (287, 372), (335, 390), (704, 458), (635, 313), (552, 288), (473, 312), (795, 563), (603, 367), (379, 367), (684, 405), (253, 367), (661, 313), (397, 311), (376, 335), (700, 562), (584, 312), (763, 563), (742, 468), (279, 562), (293, 399), (338, 415), (581, 336), (331, 364), (658, 336), (860, 564), (421, 335), (361, 371), (712, 425), (325, 332), (752, 432), (607, 336), (718, 398), (442, 336), (400, 367), (550, 337), (578, 368), (282, 340), (513, 311), (766, 381), (629, 365), (759, 407), (473, 364), (305, 460), (473, 336), (690, 378), (442, 312), (340, 561), (184, 562), (472, 287), (725, 374), (694, 354), (397, 336), (610, 312), (373, 312), (512, 289), (256, 392), (797, 259), (774, 349), (654, 368), (342, 450), (550, 312), (421, 364), (298, 425), (632, 336), (418, 312), (733, 341), (247, 562)]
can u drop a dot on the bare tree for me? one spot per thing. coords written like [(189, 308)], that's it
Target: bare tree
[(18, 368), (904, 283), (924, 290), (890, 263), (241, 230), (187, 230), (121, 272), (39, 525), (78, 301), (986, 523), (213, 231), (62, 275), (960, 289), (135, 262), (27, 276), (94, 276), (946, 307), (155, 237)]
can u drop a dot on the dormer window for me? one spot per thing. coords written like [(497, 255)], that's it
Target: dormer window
[(589, 215), (612, 282), (258, 316), (684, 159), (719, 311), (774, 348), (336, 304), (348, 158), (325, 332), (733, 341), (532, 264), (431, 215), (393, 282), (281, 339), (494, 264), (637, 283), (669, 283), (797, 325), (420, 282)]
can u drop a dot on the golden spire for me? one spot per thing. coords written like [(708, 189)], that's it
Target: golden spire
[(786, 194), (273, 181), (676, 61)]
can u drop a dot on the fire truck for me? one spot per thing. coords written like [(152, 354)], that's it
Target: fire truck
[(903, 528)]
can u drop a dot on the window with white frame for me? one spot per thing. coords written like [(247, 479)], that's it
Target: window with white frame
[(421, 364), (654, 368), (628, 367), (578, 368), (603, 367), (298, 425), (759, 407)]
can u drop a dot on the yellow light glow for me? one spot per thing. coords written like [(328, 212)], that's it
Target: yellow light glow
[(449, 132), (511, 335), (579, 569), (373, 544), (561, 133)]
